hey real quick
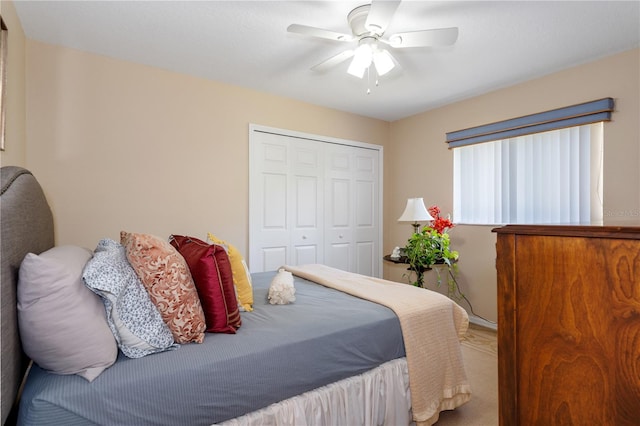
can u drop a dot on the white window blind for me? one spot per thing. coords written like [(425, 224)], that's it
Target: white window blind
[(553, 177)]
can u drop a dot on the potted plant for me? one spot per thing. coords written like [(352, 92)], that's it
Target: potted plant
[(432, 246)]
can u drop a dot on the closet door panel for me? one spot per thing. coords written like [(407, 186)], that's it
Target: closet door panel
[(313, 201), (338, 226), (270, 199), (339, 256), (274, 189), (365, 258), (366, 215), (339, 193), (307, 206), (306, 234), (272, 258)]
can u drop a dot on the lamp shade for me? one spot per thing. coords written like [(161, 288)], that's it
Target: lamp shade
[(383, 62), (369, 52), (361, 60), (415, 211)]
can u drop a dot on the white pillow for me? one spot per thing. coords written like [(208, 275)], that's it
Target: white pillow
[(63, 325), (134, 320)]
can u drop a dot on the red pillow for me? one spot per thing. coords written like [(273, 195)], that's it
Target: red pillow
[(211, 271)]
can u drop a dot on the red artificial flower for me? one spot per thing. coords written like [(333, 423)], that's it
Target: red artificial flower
[(440, 224)]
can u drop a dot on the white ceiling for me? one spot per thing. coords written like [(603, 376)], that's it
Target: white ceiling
[(246, 43)]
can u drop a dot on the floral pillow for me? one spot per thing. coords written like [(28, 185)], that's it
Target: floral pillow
[(134, 320), (166, 277)]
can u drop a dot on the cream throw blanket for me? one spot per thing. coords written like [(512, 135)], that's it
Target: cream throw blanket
[(432, 326)]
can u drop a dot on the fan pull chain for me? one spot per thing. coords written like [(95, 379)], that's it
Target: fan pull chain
[(377, 81)]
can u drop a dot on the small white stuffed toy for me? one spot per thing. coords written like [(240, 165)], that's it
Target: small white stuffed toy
[(281, 290)]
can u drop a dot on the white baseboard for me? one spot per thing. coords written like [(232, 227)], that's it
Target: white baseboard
[(482, 322)]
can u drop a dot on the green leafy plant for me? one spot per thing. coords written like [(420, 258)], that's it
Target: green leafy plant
[(431, 249), (426, 249)]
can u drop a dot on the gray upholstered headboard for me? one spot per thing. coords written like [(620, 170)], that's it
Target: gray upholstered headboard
[(26, 226)]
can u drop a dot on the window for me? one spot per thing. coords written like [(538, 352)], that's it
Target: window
[(531, 177)]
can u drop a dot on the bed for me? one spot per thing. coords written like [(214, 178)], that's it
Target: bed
[(331, 357)]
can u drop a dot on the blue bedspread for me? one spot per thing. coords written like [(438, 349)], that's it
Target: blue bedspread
[(280, 351)]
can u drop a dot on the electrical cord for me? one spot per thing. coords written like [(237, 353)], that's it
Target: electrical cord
[(460, 294)]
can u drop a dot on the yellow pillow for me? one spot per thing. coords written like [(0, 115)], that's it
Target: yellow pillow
[(240, 272)]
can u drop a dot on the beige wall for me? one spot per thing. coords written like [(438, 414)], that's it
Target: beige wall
[(124, 146), (14, 153), (418, 163), (120, 146)]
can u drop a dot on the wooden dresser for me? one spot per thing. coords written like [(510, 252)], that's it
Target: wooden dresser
[(568, 325)]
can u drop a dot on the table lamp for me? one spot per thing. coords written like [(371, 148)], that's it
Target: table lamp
[(415, 212)]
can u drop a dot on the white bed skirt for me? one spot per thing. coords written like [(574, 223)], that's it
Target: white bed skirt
[(378, 397)]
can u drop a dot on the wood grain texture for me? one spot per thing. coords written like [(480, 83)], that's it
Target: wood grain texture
[(507, 380), (572, 344)]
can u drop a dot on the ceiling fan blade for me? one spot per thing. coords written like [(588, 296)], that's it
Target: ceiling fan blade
[(380, 15), (333, 61), (319, 32), (424, 38)]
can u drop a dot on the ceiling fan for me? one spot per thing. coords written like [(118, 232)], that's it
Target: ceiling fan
[(368, 25)]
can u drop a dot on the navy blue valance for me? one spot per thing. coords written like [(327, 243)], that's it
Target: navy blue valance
[(575, 115)]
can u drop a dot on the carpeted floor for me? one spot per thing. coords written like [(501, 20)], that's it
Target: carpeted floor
[(482, 339), (480, 351)]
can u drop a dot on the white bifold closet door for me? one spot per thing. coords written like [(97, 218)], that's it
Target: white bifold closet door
[(314, 199)]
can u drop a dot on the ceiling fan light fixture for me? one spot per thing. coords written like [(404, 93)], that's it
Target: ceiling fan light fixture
[(383, 62), (368, 24), (361, 60)]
